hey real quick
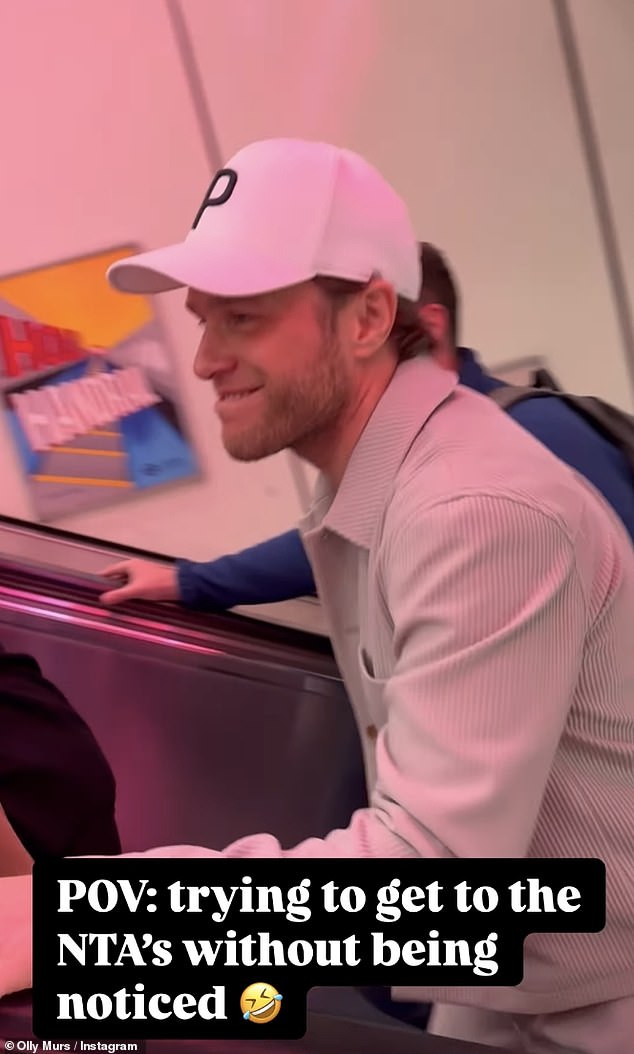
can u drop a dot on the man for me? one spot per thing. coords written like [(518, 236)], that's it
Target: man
[(480, 595), (280, 570)]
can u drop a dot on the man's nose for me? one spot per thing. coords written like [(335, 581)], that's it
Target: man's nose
[(210, 360)]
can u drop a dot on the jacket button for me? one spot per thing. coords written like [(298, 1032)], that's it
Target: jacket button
[(371, 732)]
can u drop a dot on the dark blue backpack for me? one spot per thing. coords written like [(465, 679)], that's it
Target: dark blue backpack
[(613, 424)]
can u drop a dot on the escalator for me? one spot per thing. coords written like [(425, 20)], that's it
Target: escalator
[(192, 711), (216, 726)]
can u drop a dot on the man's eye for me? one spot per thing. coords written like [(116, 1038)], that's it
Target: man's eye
[(240, 318)]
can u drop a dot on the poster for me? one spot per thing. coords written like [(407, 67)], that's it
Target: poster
[(88, 388)]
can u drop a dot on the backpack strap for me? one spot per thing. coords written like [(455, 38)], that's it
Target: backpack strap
[(510, 394), (613, 424), (542, 378)]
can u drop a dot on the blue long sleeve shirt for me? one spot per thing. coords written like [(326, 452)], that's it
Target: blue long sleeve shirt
[(279, 569)]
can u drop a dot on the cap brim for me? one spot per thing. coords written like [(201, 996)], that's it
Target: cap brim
[(195, 266)]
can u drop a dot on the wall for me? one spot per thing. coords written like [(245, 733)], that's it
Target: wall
[(114, 114), (104, 148)]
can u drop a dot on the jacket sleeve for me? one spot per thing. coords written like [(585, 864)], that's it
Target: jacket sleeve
[(56, 786), (274, 570)]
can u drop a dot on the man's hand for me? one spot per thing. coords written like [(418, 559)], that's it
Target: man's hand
[(144, 580), (15, 934)]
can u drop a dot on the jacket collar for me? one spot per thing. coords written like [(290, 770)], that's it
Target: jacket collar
[(416, 390)]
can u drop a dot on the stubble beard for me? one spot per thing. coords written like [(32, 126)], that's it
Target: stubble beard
[(299, 412)]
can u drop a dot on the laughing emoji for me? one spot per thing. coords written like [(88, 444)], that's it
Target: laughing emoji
[(260, 1003)]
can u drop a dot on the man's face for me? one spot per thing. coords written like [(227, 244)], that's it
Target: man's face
[(277, 366)]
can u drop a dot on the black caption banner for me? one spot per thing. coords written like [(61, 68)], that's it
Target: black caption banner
[(209, 948)]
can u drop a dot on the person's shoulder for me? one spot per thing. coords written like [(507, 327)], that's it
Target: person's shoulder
[(548, 413), (470, 446), (570, 436)]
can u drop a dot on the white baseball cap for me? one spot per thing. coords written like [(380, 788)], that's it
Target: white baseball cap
[(281, 212)]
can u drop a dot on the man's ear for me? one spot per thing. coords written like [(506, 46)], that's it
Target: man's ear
[(374, 311), (435, 319)]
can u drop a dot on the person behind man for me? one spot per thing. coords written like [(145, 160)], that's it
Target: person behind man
[(480, 595), (279, 569), (57, 790)]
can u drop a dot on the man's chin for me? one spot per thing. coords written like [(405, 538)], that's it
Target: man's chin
[(245, 448)]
